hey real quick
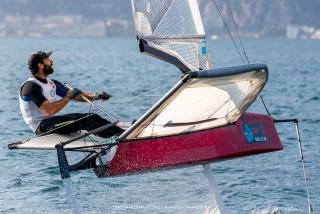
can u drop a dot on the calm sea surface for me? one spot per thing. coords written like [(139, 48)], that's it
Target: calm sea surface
[(268, 183)]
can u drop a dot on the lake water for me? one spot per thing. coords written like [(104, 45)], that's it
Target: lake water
[(268, 183)]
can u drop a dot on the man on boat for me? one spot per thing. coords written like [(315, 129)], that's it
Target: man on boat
[(39, 103)]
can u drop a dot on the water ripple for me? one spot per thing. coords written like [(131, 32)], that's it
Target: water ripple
[(267, 183)]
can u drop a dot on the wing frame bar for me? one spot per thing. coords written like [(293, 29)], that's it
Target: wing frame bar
[(162, 55)]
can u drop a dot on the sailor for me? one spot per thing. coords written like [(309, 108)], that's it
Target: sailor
[(42, 98)]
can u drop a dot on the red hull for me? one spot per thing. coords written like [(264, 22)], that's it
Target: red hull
[(252, 134)]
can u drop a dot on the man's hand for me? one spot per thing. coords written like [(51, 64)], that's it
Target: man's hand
[(101, 96), (75, 92)]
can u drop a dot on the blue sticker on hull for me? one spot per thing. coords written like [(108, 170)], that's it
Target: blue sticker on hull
[(254, 133)]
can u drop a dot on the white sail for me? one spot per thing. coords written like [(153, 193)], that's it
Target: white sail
[(175, 27)]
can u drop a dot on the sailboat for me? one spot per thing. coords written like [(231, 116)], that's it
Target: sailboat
[(200, 120)]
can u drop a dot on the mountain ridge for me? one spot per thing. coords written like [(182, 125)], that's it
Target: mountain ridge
[(257, 18)]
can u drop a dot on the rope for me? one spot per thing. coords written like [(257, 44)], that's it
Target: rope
[(264, 104), (148, 80), (241, 43), (296, 122), (229, 32), (236, 26), (127, 99)]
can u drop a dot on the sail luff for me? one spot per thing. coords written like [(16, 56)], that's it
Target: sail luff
[(197, 16), (134, 16)]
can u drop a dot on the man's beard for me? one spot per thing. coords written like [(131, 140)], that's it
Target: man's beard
[(48, 69)]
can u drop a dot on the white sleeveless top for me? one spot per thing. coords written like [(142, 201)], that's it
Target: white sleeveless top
[(31, 113)]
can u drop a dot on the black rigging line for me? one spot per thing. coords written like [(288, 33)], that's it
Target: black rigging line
[(242, 46), (236, 26), (265, 106), (226, 26), (296, 122)]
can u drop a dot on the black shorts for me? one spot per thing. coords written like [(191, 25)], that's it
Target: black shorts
[(70, 123)]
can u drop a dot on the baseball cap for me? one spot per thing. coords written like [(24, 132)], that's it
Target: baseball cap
[(37, 57)]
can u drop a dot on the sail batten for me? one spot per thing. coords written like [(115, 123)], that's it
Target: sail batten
[(176, 27)]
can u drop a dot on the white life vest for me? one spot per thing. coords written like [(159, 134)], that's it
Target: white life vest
[(31, 113)]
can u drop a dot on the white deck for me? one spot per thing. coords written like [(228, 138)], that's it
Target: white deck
[(48, 142)]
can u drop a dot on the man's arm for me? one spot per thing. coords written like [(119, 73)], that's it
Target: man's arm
[(92, 96), (63, 91), (52, 108), (88, 95)]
